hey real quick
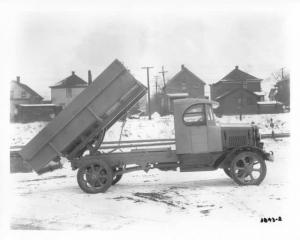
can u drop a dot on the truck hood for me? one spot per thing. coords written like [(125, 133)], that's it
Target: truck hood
[(235, 125)]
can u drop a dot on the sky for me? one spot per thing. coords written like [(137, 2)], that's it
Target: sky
[(49, 45)]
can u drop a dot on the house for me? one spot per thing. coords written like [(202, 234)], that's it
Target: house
[(20, 93), (186, 82), (183, 84), (238, 93), (36, 112), (283, 91), (63, 92), (270, 107)]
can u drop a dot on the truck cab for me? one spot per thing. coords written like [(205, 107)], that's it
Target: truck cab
[(197, 131)]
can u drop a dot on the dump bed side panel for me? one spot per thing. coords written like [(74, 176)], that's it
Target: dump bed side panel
[(100, 103)]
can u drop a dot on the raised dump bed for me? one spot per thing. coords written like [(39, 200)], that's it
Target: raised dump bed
[(84, 121)]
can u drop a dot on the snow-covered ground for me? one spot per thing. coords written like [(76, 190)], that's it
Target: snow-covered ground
[(158, 127), (155, 199)]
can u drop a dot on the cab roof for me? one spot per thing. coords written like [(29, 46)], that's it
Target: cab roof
[(196, 100)]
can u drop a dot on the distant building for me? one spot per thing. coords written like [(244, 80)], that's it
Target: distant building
[(63, 92), (20, 93), (283, 91), (186, 82), (36, 112), (183, 84), (238, 92)]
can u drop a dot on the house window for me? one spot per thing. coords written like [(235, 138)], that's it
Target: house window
[(68, 92), (194, 115), (23, 94)]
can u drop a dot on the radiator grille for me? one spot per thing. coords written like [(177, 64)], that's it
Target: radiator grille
[(235, 141)]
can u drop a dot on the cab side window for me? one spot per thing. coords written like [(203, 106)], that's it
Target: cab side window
[(194, 115)]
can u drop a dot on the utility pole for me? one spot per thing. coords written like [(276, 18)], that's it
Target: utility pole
[(282, 73), (163, 75), (156, 86), (148, 84)]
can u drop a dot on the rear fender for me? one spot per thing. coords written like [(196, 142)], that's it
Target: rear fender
[(224, 160)]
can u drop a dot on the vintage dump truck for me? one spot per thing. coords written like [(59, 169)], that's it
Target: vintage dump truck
[(201, 144)]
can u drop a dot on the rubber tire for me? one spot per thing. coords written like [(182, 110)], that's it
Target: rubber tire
[(81, 171), (259, 158), (116, 179)]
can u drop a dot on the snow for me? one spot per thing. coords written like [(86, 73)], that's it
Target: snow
[(157, 199), (269, 103), (158, 127), (281, 121), (260, 93), (150, 200)]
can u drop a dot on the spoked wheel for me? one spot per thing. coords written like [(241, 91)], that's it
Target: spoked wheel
[(117, 177), (227, 171), (94, 176), (248, 168)]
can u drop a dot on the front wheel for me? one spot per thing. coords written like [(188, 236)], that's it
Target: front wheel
[(94, 176), (116, 179), (227, 172), (248, 168)]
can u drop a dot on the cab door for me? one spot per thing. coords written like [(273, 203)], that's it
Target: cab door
[(191, 129)]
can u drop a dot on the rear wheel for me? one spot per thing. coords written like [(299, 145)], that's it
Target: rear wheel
[(94, 176), (248, 168)]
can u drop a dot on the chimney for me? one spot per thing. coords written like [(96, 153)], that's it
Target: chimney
[(73, 73), (236, 67), (89, 77), (18, 79), (182, 66)]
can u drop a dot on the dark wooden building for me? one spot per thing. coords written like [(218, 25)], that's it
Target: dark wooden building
[(21, 93), (186, 82), (238, 92), (183, 84)]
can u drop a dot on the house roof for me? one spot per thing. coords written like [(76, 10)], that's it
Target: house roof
[(28, 89), (233, 91), (72, 81), (182, 71), (260, 93), (237, 75)]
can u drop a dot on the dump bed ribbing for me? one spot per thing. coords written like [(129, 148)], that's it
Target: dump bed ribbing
[(88, 116)]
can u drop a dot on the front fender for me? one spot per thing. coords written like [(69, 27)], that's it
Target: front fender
[(225, 159)]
